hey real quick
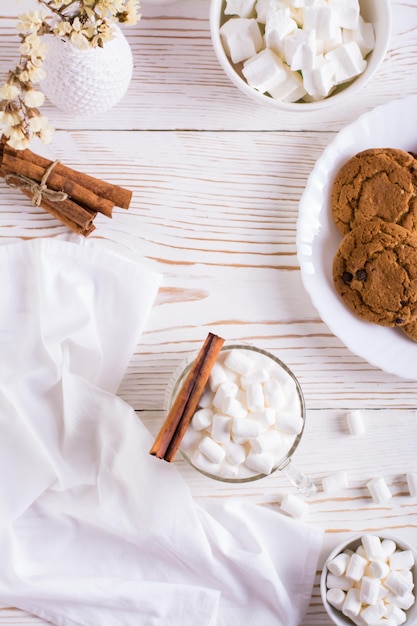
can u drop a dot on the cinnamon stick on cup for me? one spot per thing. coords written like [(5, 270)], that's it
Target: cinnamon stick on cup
[(169, 438)]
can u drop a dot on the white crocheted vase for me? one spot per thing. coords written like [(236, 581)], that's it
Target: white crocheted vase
[(85, 82)]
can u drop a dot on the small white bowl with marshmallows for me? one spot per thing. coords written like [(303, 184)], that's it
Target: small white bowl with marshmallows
[(249, 420), (300, 55), (370, 581)]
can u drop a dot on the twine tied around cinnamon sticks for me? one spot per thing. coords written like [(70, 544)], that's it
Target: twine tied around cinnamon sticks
[(38, 190), (71, 196)]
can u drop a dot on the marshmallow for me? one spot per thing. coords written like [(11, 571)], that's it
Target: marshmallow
[(239, 361), (402, 559), (241, 39), (258, 375), (363, 34), (288, 423), (264, 70), (261, 463), (255, 397), (379, 490), (300, 50), (235, 452), (352, 604), (336, 598), (265, 417), (412, 483), (190, 440), (379, 569), (242, 8), (220, 428), (273, 393), (228, 470), (269, 441), (397, 583), (319, 18), (345, 13), (369, 590), (373, 613), (394, 612), (279, 24), (263, 7), (373, 547), (212, 450), (206, 399), (202, 419), (335, 482), (201, 461), (224, 391), (339, 582), (234, 408), (217, 376), (356, 567), (245, 427), (355, 422), (388, 546), (321, 79), (289, 90), (348, 62), (403, 602), (294, 505), (338, 565)]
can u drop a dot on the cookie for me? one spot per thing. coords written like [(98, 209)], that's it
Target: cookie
[(410, 330), (376, 183), (375, 273)]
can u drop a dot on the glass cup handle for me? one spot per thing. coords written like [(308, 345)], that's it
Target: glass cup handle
[(298, 478)]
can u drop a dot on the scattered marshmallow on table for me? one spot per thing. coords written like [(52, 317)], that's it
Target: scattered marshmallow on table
[(412, 483), (321, 44), (379, 490), (252, 416), (367, 593), (355, 422), (294, 505)]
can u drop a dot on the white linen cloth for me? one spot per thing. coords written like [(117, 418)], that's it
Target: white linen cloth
[(93, 530)]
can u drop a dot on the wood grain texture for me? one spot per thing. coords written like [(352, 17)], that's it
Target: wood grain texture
[(216, 185)]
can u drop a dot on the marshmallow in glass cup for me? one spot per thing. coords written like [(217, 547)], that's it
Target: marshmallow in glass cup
[(249, 420)]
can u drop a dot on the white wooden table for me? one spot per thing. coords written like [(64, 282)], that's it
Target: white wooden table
[(217, 181)]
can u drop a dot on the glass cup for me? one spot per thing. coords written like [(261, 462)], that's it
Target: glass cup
[(285, 463)]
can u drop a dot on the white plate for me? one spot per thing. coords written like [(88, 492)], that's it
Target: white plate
[(393, 125)]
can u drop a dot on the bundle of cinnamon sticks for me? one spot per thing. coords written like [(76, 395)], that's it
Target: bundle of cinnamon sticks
[(71, 196), (169, 438)]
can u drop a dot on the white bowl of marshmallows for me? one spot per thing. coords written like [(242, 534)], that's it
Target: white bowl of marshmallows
[(300, 54), (250, 417), (370, 580)]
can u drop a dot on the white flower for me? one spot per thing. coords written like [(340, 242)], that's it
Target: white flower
[(9, 92), (45, 134), (9, 118), (18, 143), (34, 98), (37, 123)]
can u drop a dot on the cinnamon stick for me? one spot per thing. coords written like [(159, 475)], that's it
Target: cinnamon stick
[(86, 229), (185, 404), (78, 193), (120, 196)]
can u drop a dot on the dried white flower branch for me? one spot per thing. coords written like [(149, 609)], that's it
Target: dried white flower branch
[(86, 24)]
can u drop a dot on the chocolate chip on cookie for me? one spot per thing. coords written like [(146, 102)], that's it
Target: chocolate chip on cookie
[(376, 183), (375, 273)]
